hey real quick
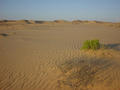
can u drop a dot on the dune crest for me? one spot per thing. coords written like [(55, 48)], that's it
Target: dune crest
[(22, 22)]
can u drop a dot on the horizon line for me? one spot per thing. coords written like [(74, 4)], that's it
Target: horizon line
[(58, 20)]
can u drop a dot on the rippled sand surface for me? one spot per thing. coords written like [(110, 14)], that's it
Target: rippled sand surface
[(48, 57)]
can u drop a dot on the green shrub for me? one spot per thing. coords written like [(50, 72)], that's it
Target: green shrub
[(91, 44)]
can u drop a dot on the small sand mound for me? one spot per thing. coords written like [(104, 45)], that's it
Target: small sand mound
[(17, 22), (39, 22), (48, 22), (31, 22), (89, 22), (92, 22), (88, 73), (7, 34), (76, 22), (22, 22), (2, 21), (85, 22), (44, 22), (60, 21)]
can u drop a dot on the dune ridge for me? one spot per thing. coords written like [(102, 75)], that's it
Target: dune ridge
[(57, 22)]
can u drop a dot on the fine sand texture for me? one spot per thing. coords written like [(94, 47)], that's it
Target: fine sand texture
[(39, 55)]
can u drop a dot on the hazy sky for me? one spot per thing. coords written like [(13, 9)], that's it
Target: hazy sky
[(105, 10)]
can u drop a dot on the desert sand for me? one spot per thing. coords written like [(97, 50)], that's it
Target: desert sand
[(46, 55)]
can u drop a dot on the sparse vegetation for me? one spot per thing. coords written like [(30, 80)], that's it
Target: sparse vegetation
[(91, 44), (79, 73)]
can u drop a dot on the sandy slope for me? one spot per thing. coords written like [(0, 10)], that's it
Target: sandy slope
[(48, 57)]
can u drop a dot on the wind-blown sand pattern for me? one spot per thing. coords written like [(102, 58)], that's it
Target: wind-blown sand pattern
[(39, 55)]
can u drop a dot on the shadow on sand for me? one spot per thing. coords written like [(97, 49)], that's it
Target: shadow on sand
[(3, 34), (113, 46), (82, 72)]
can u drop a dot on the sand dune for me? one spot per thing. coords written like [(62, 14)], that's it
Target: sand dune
[(43, 55), (13, 22)]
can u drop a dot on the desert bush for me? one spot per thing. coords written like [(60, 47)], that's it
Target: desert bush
[(91, 44)]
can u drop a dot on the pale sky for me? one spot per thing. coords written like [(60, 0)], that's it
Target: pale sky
[(102, 10)]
